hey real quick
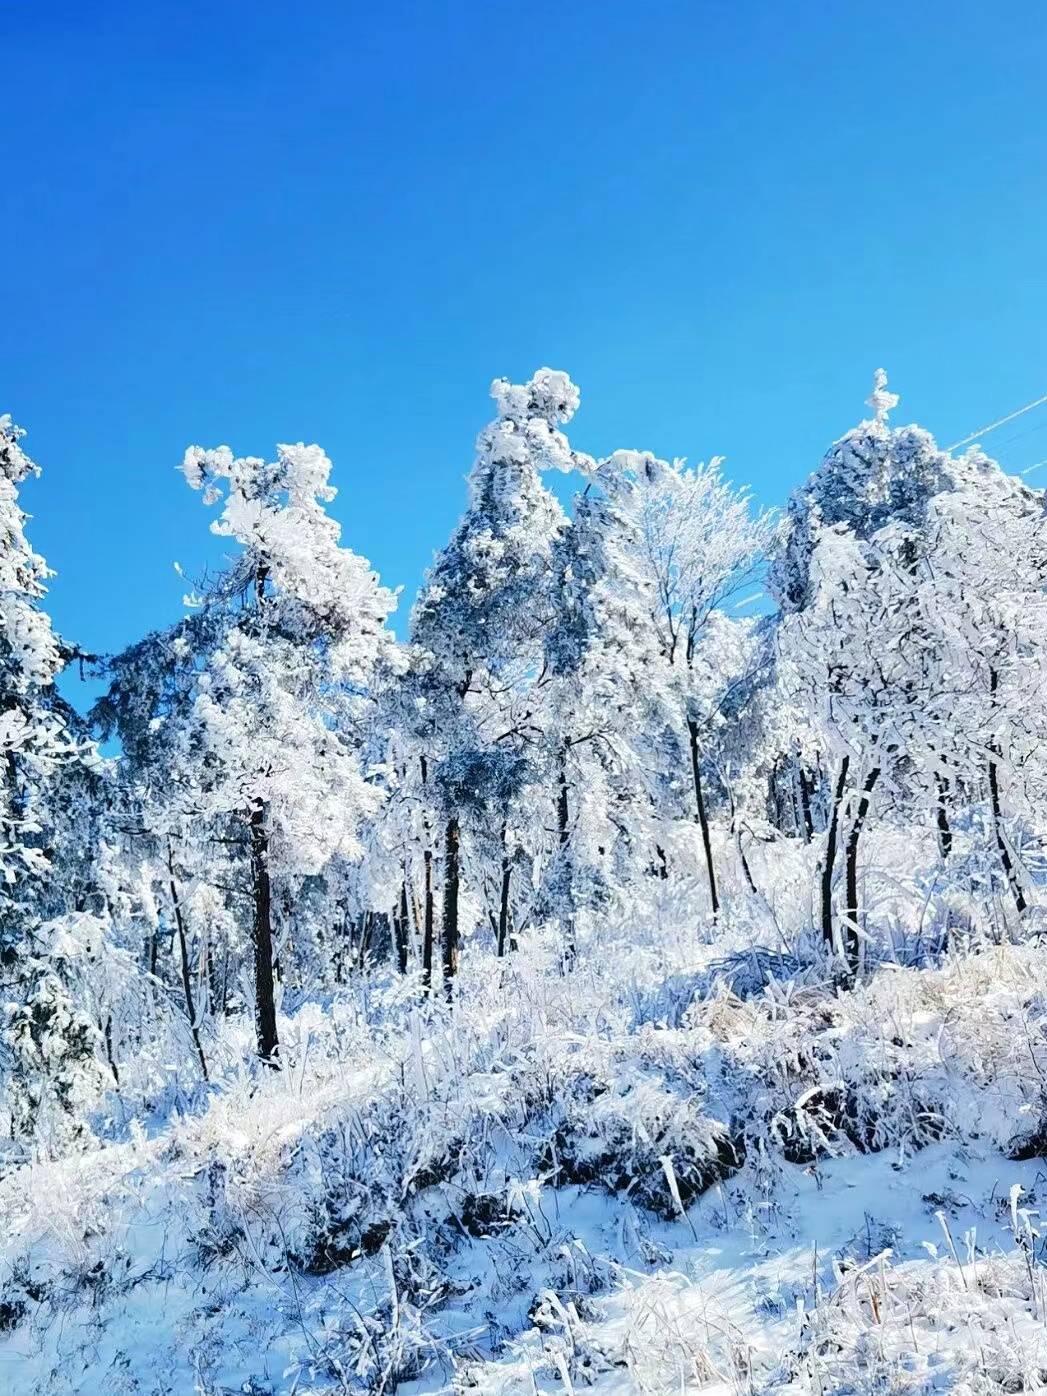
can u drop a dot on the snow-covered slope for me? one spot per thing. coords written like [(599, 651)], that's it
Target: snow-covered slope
[(678, 1167)]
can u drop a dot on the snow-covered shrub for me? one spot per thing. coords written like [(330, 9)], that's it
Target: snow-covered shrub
[(635, 1115), (968, 1325), (905, 1058)]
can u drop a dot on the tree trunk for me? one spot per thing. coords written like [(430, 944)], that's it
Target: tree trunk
[(1001, 840), (942, 817), (187, 979), (703, 821), (805, 804), (563, 820), (503, 903), (452, 838), (427, 931), (225, 981), (744, 861), (107, 1034), (851, 940), (427, 860), (830, 854), (209, 982), (366, 931), (400, 924), (997, 818), (265, 1002)]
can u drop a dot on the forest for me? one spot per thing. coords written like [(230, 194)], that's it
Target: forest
[(628, 979)]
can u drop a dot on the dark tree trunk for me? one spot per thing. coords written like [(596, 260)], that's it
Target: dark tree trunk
[(338, 958), (702, 818), (152, 951), (400, 924), (427, 929), (429, 912), (108, 1035), (997, 819), (265, 1002), (805, 805), (563, 821), (452, 838), (851, 940), (366, 930), (211, 980), (187, 979), (774, 807), (942, 817), (503, 902), (828, 866), (1001, 840), (745, 862)]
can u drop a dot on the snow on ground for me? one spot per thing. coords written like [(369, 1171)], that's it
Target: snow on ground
[(681, 1167), (860, 1273)]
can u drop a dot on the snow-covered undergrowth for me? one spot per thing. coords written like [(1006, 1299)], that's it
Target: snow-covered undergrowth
[(686, 1162)]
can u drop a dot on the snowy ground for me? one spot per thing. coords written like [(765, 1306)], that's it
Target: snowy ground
[(846, 1278), (681, 1167), (859, 1274)]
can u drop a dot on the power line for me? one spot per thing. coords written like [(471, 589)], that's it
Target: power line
[(1021, 435), (984, 431)]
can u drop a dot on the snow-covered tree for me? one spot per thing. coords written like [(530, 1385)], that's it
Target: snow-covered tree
[(605, 709), (48, 1046), (164, 847), (583, 734), (985, 591), (907, 580), (482, 615), (34, 737), (275, 701), (851, 639), (692, 540), (255, 705)]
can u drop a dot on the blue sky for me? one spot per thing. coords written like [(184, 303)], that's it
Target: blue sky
[(259, 222)]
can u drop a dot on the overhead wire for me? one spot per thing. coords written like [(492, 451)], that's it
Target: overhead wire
[(1002, 421)]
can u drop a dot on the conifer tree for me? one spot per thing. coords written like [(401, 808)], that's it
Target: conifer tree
[(482, 615), (48, 1046)]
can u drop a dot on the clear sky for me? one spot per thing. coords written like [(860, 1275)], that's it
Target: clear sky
[(259, 222)]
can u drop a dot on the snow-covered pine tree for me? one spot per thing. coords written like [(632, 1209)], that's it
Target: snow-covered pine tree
[(300, 627), (481, 620), (48, 1045), (859, 651), (604, 708), (160, 836), (902, 574)]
